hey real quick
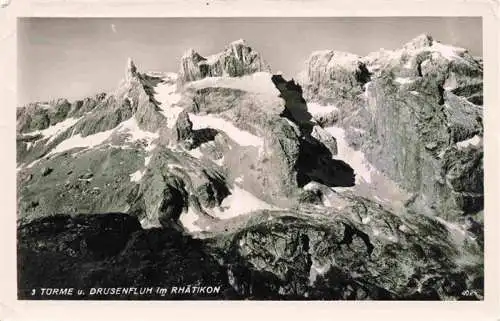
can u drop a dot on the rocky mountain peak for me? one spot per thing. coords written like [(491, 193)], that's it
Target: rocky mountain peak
[(239, 42), (193, 55), (334, 59), (131, 69), (236, 44), (343, 71), (237, 59), (421, 41)]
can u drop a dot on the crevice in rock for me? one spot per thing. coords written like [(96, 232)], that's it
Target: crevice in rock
[(351, 232), (315, 162)]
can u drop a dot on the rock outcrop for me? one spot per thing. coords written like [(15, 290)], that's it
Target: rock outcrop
[(134, 97), (236, 60), (284, 256), (39, 116), (110, 250), (334, 77)]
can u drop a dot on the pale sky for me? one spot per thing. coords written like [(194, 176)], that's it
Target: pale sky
[(79, 57)]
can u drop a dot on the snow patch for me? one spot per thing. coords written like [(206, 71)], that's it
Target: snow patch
[(404, 80), (78, 141), (56, 129), (136, 176), (188, 220), (316, 109), (473, 142), (259, 82), (174, 166), (242, 137), (448, 52), (131, 127), (240, 202), (366, 88), (167, 95), (356, 159), (311, 186), (196, 153), (147, 224), (393, 238), (457, 232), (317, 270)]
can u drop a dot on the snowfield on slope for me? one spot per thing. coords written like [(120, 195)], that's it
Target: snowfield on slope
[(53, 131), (259, 82), (128, 127), (369, 182), (316, 109), (474, 142), (167, 95), (188, 220), (242, 137), (356, 159), (239, 203)]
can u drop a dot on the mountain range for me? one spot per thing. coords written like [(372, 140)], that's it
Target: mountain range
[(361, 178)]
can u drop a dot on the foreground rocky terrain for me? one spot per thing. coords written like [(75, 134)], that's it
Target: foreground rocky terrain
[(361, 179)]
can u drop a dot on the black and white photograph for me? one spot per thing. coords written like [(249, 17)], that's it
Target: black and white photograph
[(250, 158)]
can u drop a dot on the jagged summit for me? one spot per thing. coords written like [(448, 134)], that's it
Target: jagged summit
[(236, 43), (237, 59), (191, 53), (340, 58), (421, 41), (131, 69), (426, 41), (239, 42)]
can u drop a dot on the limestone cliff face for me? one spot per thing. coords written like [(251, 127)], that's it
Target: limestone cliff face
[(419, 143), (332, 75), (236, 60), (415, 112)]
